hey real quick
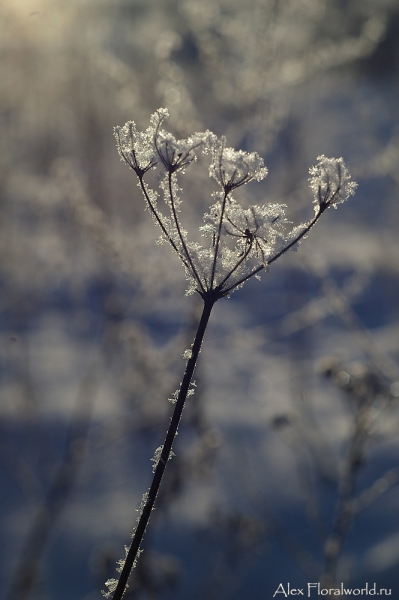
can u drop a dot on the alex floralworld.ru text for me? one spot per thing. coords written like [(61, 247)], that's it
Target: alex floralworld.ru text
[(315, 589)]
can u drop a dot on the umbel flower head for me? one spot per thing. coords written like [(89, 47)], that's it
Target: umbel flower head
[(330, 182), (234, 168), (238, 242)]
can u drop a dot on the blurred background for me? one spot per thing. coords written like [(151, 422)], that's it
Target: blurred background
[(294, 422)]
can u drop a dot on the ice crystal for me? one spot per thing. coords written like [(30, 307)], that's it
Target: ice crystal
[(238, 242), (111, 585), (142, 503), (157, 457), (174, 397), (191, 390), (122, 561)]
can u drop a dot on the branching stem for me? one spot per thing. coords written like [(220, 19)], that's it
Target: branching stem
[(159, 221), (242, 259), (276, 256)]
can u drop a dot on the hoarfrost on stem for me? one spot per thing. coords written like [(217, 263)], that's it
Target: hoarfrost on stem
[(111, 587), (157, 457), (240, 242)]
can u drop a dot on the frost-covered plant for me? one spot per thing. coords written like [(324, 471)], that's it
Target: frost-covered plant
[(239, 243)]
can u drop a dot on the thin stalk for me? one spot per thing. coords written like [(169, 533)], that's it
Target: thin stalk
[(242, 259), (218, 239), (159, 221), (182, 240), (346, 503), (133, 552)]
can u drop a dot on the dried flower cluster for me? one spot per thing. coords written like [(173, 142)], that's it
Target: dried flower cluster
[(330, 182), (241, 242)]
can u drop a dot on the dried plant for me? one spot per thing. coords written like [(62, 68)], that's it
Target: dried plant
[(241, 243)]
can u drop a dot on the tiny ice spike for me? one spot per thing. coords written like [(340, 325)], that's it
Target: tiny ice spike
[(241, 242)]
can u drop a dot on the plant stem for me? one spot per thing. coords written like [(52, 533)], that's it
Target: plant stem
[(218, 240), (345, 508), (144, 518), (179, 231)]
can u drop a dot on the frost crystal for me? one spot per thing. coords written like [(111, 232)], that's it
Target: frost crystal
[(191, 390), (174, 397), (122, 561), (142, 503), (238, 242), (111, 585), (330, 182), (157, 457)]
